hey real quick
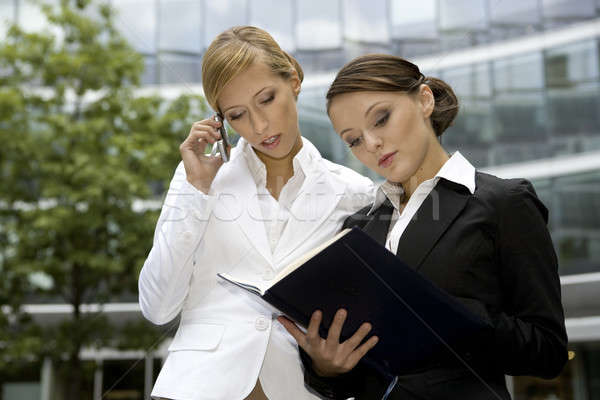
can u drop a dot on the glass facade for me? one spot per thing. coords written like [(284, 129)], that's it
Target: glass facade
[(518, 106), (336, 30)]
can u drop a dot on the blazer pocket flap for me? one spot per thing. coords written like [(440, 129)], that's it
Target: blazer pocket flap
[(197, 336)]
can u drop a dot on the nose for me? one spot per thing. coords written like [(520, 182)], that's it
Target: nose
[(259, 121), (372, 141)]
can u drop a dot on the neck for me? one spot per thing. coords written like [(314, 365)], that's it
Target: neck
[(280, 170), (434, 159)]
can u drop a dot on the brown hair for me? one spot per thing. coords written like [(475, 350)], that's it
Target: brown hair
[(386, 73), (235, 50)]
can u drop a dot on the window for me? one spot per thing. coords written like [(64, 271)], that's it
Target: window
[(413, 20), (136, 20), (276, 17), (515, 12), (521, 73), (221, 15), (366, 20), (179, 69), (318, 25), (149, 76), (572, 74), (463, 15), (571, 64), (180, 25), (577, 229), (561, 9)]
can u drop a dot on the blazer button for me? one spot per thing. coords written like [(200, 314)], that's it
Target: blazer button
[(261, 324), (268, 275), (198, 215)]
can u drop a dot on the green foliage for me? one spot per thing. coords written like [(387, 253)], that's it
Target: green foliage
[(79, 148)]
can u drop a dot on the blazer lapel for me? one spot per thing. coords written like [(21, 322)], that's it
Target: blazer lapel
[(238, 195), (379, 222), (436, 214)]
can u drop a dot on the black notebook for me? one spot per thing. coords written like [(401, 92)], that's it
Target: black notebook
[(416, 321)]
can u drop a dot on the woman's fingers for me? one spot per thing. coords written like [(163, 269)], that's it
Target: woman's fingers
[(205, 132), (359, 353), (358, 336), (201, 168), (333, 336), (312, 332), (293, 330), (329, 356)]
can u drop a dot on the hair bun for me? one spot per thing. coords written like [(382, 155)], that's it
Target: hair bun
[(446, 104)]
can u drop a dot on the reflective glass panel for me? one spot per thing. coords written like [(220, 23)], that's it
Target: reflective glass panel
[(413, 20), (515, 12), (366, 20), (136, 20), (463, 14), (568, 8), (518, 73), (149, 76), (180, 70), (180, 25), (276, 17), (223, 14), (318, 24), (571, 64)]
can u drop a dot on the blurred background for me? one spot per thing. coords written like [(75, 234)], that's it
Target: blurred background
[(94, 104)]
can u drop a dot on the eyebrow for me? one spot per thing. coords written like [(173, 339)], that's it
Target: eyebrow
[(256, 94), (366, 113)]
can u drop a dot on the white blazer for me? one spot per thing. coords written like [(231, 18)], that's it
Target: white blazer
[(221, 343)]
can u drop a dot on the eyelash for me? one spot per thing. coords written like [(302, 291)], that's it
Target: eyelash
[(266, 101), (270, 99), (380, 122), (354, 142)]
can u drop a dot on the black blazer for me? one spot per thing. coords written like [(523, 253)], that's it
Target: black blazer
[(493, 252)]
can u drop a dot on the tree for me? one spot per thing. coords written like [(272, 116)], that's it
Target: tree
[(79, 148)]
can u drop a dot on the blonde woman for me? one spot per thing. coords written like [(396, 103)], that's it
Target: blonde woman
[(274, 200)]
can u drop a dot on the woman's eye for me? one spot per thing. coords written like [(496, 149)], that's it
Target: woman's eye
[(381, 121), (354, 142), (268, 100), (233, 117)]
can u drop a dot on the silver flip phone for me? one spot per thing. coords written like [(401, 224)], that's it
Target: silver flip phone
[(221, 146)]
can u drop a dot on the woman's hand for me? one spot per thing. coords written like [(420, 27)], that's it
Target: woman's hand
[(329, 356), (200, 168)]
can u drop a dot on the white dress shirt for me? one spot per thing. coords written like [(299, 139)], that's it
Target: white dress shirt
[(276, 213), (456, 169)]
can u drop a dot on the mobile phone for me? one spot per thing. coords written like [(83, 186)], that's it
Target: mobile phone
[(221, 146)]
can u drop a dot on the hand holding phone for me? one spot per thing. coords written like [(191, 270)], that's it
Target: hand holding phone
[(200, 167)]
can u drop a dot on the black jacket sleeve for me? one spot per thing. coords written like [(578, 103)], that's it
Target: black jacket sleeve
[(529, 332)]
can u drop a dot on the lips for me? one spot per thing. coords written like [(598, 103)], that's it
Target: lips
[(387, 159), (272, 141)]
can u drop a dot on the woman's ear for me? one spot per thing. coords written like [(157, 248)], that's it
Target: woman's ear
[(426, 100), (295, 83)]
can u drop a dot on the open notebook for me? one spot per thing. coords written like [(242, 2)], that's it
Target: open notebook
[(415, 320)]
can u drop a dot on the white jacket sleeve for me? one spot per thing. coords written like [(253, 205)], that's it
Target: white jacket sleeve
[(165, 277)]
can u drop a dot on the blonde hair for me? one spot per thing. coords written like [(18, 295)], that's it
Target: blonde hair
[(235, 50)]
